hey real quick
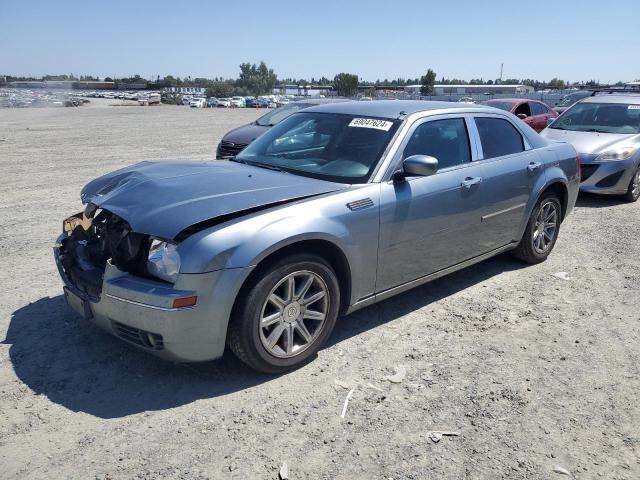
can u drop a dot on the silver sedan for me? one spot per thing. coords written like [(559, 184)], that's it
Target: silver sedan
[(605, 130), (335, 208)]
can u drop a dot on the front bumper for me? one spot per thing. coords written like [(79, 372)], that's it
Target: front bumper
[(607, 177), (140, 311)]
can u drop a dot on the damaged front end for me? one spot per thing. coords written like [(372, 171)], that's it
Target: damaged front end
[(90, 240)]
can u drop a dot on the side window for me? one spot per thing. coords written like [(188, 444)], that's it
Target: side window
[(498, 137), (538, 109), (523, 108), (447, 140)]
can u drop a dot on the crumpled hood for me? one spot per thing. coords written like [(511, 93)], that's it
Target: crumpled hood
[(164, 198), (588, 142), (245, 133)]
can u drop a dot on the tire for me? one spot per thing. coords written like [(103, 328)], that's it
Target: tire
[(633, 192), (276, 336), (530, 247)]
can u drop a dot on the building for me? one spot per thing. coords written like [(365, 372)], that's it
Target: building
[(473, 89)]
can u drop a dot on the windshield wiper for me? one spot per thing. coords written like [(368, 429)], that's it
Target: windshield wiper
[(266, 165), (236, 159)]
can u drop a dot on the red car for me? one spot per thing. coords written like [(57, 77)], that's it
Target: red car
[(535, 114)]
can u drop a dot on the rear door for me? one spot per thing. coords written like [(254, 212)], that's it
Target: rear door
[(430, 223), (511, 169)]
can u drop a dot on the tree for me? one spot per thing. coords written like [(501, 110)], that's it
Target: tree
[(427, 81), (556, 83), (346, 84), (256, 79), (220, 90)]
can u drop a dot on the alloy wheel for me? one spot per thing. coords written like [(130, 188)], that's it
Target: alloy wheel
[(294, 314), (635, 185), (546, 227)]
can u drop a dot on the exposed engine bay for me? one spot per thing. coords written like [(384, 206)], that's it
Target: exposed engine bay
[(94, 237)]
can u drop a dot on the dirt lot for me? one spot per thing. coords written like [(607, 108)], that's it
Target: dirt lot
[(535, 369)]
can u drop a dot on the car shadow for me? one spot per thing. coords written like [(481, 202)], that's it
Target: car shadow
[(419, 297), (78, 366), (82, 368), (593, 200)]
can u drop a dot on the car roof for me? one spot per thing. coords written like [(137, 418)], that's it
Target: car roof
[(612, 98), (390, 108), (512, 100), (322, 101)]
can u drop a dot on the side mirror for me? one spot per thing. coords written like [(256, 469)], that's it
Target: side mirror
[(522, 116), (420, 166)]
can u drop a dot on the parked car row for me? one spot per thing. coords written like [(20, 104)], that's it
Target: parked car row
[(117, 94), (264, 101), (330, 208)]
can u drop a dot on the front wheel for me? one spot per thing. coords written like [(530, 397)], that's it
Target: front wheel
[(542, 231), (633, 192), (284, 315)]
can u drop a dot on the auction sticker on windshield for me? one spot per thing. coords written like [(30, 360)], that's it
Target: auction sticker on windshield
[(371, 123)]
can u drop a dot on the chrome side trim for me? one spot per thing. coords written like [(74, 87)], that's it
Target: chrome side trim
[(500, 212), (427, 278), (146, 305)]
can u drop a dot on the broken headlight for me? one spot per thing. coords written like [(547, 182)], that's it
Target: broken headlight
[(164, 260)]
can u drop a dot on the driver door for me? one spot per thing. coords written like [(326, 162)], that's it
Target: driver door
[(431, 223)]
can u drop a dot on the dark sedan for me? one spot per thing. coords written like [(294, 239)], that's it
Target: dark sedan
[(570, 99), (238, 138)]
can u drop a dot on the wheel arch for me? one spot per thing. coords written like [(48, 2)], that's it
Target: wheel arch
[(560, 189), (326, 249)]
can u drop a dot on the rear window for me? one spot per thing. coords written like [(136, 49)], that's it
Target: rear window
[(498, 137), (538, 108)]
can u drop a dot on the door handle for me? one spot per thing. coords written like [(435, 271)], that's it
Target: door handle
[(533, 166), (470, 181)]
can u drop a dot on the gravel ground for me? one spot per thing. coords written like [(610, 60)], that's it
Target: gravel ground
[(535, 370)]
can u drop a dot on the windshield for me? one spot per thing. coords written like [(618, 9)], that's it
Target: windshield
[(573, 98), (501, 105), (600, 117), (329, 146), (276, 116)]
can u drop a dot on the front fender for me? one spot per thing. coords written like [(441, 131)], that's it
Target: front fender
[(246, 241)]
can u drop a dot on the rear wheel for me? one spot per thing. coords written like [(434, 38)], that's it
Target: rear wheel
[(285, 314), (542, 231), (633, 192)]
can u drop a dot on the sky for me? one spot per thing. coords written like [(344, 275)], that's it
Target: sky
[(569, 39)]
